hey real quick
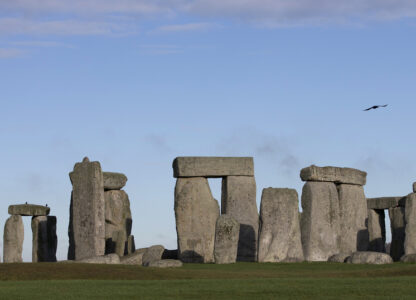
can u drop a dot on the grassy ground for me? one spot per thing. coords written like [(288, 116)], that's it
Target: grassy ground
[(196, 281)]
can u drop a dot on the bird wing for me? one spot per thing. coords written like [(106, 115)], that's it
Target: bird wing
[(383, 105), (368, 108)]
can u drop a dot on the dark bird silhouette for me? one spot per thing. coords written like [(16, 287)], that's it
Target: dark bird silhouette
[(375, 107)]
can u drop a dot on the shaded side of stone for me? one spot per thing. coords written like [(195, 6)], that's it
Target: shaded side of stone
[(279, 237), (170, 254), (398, 234), (333, 174), (227, 231), (369, 257), (131, 246), (114, 181), (13, 236), (385, 202), (44, 242), (376, 230), (29, 210), (410, 231), (409, 258)]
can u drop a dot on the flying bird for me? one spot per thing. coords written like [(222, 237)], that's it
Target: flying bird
[(375, 107)]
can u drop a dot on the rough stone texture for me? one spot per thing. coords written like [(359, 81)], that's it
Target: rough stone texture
[(87, 215), (238, 200), (279, 237), (29, 210), (339, 258), (165, 263), (409, 258), (410, 231), (131, 246), (320, 224), (135, 258), (227, 231), (376, 230), (110, 259), (397, 224), (196, 213), (114, 181), (353, 217), (369, 257), (212, 166), (13, 239), (333, 174), (385, 202), (151, 254), (44, 242)]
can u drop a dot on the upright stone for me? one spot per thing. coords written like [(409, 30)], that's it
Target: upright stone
[(414, 187), (13, 239), (376, 230), (196, 213), (320, 224), (279, 238), (227, 231), (397, 224), (88, 210), (410, 231), (353, 216), (238, 200), (44, 241)]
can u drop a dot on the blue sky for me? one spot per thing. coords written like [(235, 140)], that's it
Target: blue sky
[(133, 84)]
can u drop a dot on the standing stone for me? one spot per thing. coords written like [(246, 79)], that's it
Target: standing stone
[(353, 216), (376, 230), (320, 221), (87, 224), (279, 238), (196, 213), (397, 223), (131, 246), (238, 200), (414, 187), (44, 241), (13, 239), (410, 231), (227, 231)]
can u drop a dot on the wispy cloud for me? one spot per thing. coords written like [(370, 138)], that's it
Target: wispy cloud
[(42, 44), (186, 27), (10, 53), (160, 49)]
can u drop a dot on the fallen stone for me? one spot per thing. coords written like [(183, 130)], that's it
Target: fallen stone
[(353, 217), (212, 166), (320, 224), (410, 230), (29, 210), (87, 214), (109, 259), (238, 200), (339, 258), (135, 258), (151, 254), (196, 213), (279, 237), (165, 263), (227, 231), (13, 239), (114, 181), (333, 174), (369, 257), (44, 242), (376, 230), (397, 224), (385, 202), (409, 258)]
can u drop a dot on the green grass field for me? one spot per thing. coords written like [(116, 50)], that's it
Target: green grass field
[(198, 281)]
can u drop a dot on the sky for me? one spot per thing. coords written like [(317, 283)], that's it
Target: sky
[(135, 83)]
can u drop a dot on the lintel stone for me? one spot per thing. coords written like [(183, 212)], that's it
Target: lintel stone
[(385, 202), (114, 181), (29, 210), (333, 174)]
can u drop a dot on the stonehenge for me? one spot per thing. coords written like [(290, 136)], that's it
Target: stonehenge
[(227, 231)]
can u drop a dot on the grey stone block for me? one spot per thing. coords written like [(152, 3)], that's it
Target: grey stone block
[(408, 258), (410, 230), (369, 257), (114, 181), (339, 258), (13, 236), (227, 231), (320, 224), (135, 258), (376, 230), (333, 174), (110, 259), (212, 166), (279, 237), (131, 246), (165, 263), (238, 200), (29, 210), (44, 242), (385, 202), (397, 224), (153, 253)]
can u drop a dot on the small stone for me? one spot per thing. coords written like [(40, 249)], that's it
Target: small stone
[(44, 241), (376, 230), (333, 174), (227, 231), (109, 259), (339, 258), (369, 257), (397, 225), (165, 263), (114, 181), (408, 258), (152, 253), (13, 239), (135, 258), (29, 210)]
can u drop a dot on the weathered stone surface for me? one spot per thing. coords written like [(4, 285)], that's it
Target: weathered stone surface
[(110, 259), (114, 181), (131, 246), (376, 230), (196, 213), (227, 231), (320, 224), (410, 231), (369, 257), (152, 254), (279, 237), (120, 238), (44, 242), (333, 174), (13, 239), (385, 202), (165, 263), (353, 216), (87, 215), (212, 166), (238, 200), (339, 258), (29, 210), (135, 258), (397, 224), (409, 258)]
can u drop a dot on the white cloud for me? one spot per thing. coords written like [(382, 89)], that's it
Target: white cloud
[(10, 53)]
